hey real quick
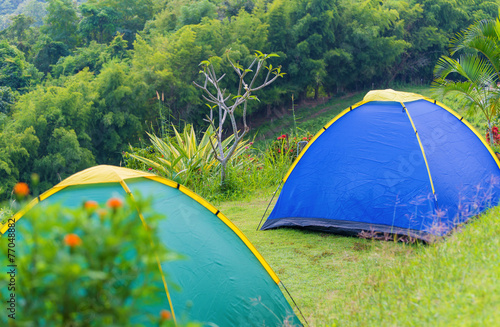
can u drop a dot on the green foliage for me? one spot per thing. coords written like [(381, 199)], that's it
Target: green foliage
[(98, 23), (48, 134), (15, 72), (192, 14), (15, 149), (6, 99), (48, 53), (93, 57), (115, 120), (182, 156), (22, 34), (61, 22), (87, 266), (102, 19), (475, 75)]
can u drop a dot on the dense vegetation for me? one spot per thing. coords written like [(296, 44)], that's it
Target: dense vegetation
[(79, 80)]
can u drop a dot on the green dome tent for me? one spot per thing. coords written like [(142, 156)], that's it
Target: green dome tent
[(222, 271)]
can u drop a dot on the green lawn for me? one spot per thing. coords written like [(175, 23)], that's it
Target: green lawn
[(347, 281)]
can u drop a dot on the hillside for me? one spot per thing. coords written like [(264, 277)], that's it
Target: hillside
[(99, 74)]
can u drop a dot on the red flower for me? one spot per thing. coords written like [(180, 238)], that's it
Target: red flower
[(150, 168), (72, 240)]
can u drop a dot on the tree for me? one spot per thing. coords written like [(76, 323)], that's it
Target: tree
[(102, 19), (193, 13), (6, 99), (61, 22), (98, 23), (476, 72), (48, 53), (15, 72), (228, 104)]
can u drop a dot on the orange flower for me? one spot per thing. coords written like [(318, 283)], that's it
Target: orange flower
[(72, 240), (90, 205), (21, 189), (114, 203), (165, 315)]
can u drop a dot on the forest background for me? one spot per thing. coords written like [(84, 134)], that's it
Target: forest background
[(81, 80)]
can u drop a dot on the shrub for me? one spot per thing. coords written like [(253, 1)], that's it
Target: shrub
[(181, 157), (89, 266)]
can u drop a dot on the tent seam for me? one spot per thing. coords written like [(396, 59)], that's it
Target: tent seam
[(423, 152)]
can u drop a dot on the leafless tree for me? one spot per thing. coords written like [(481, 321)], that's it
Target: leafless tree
[(227, 103)]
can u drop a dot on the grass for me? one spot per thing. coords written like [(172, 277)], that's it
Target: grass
[(347, 281)]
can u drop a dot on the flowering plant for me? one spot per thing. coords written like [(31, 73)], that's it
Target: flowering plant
[(286, 145), (88, 266), (495, 134)]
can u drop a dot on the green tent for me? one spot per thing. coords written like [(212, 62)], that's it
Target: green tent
[(222, 275)]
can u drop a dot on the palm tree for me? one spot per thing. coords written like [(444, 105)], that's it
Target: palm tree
[(477, 71)]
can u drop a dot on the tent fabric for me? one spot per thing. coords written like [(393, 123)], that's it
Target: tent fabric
[(223, 280), (394, 163)]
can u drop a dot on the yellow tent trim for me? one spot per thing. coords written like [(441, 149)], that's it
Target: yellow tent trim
[(472, 128), (112, 174), (18, 215), (93, 175), (421, 148), (102, 174), (22, 212), (391, 95), (345, 111)]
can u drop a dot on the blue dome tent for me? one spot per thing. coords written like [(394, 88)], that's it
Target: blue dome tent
[(396, 163)]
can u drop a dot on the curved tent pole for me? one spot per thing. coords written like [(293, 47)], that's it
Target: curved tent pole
[(274, 194), (290, 295)]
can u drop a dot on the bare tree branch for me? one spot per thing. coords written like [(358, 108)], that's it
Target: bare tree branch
[(221, 100)]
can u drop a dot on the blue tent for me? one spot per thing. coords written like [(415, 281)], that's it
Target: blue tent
[(393, 163)]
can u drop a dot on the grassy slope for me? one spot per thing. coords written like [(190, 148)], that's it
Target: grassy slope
[(312, 118), (355, 282), (348, 281)]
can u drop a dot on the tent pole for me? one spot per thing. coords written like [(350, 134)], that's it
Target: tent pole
[(274, 194), (294, 302)]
